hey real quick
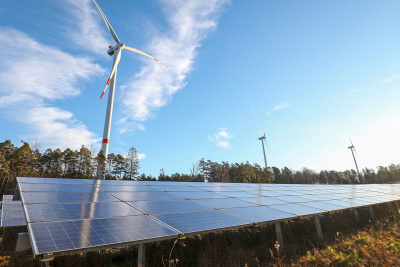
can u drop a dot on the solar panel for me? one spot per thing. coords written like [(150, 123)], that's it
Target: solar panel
[(220, 203), (12, 212), (137, 196), (260, 214), (264, 201), (297, 209), (65, 197), (199, 221), (62, 236), (128, 188), (198, 195), (60, 212), (72, 215), (56, 187), (170, 206), (35, 180)]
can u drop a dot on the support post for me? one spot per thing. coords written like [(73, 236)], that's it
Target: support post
[(279, 235), (142, 255), (371, 210), (356, 215), (319, 229)]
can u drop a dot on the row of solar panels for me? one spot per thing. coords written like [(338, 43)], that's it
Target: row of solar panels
[(70, 214)]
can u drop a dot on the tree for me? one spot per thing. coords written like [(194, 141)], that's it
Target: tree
[(119, 165), (132, 164)]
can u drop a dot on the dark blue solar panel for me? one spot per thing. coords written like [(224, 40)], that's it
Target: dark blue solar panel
[(259, 214), (69, 235), (238, 194), (266, 193), (292, 199), (218, 188), (220, 203), (65, 197), (137, 196), (60, 212), (197, 221), (56, 187), (128, 188), (34, 180), (297, 209), (198, 195), (263, 201), (322, 205), (177, 188), (170, 206)]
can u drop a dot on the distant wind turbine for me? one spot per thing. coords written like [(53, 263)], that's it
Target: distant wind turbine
[(352, 148), (116, 52), (263, 139)]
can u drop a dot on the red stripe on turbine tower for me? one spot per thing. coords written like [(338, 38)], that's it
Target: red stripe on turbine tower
[(105, 141)]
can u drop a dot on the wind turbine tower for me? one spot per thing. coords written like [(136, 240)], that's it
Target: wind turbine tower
[(116, 52), (352, 148), (263, 139)]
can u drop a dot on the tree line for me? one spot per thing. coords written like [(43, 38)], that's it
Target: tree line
[(27, 160)]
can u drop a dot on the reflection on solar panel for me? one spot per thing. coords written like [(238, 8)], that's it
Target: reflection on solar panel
[(12, 213), (74, 215)]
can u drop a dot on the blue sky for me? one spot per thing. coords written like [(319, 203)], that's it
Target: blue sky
[(307, 72)]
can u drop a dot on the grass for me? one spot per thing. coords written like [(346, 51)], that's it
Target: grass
[(370, 243)]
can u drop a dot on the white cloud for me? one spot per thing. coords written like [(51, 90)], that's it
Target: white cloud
[(189, 23), (390, 79), (141, 156), (281, 106), (221, 138), (87, 28), (31, 74)]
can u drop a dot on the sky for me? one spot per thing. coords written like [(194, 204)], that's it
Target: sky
[(309, 73)]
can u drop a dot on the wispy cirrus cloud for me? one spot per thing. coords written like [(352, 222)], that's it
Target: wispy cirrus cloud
[(221, 138), (86, 28), (390, 79), (153, 87), (280, 106), (33, 74)]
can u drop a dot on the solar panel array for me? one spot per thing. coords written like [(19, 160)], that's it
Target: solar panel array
[(67, 215), (12, 212)]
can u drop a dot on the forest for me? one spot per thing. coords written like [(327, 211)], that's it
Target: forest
[(27, 160)]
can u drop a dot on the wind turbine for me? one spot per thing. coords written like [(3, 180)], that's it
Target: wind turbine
[(352, 148), (116, 52), (263, 139)]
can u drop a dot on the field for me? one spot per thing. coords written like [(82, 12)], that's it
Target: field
[(346, 243)]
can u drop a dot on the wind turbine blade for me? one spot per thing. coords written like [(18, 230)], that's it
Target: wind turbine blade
[(355, 151), (267, 147), (112, 71), (114, 35), (350, 140), (258, 130), (140, 52)]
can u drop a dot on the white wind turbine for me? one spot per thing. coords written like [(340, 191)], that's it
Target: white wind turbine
[(116, 52), (263, 139), (352, 148)]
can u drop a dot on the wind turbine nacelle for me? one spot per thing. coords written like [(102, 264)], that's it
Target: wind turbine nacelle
[(112, 49)]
